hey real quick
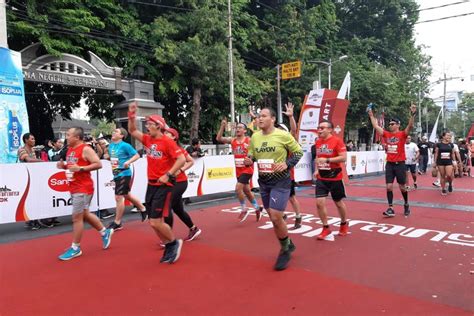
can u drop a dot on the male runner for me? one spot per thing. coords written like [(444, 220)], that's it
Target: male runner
[(240, 144), (424, 147), (122, 155), (412, 153), (395, 166), (164, 160), (80, 161), (330, 156), (271, 147)]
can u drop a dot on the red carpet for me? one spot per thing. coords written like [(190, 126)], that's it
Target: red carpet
[(228, 270)]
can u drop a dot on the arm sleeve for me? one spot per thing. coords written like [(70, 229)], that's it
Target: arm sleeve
[(251, 149), (296, 152)]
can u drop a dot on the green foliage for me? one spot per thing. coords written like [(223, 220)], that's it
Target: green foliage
[(104, 128)]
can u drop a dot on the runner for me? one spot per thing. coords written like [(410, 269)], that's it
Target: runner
[(395, 166), (293, 200), (122, 155), (80, 161), (164, 160), (178, 190), (240, 144), (443, 159), (412, 154), (424, 147), (270, 148), (330, 156)]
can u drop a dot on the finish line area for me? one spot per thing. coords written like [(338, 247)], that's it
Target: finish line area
[(420, 265)]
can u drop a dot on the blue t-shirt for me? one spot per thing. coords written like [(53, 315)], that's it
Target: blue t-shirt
[(120, 153)]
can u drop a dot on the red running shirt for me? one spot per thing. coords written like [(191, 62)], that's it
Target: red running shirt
[(395, 145), (329, 148), (161, 154), (81, 181), (240, 151), (182, 177)]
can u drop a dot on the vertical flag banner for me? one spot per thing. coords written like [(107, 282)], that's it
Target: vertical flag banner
[(321, 104), (13, 113)]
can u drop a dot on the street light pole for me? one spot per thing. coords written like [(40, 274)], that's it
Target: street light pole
[(231, 65), (329, 64), (443, 114), (329, 73)]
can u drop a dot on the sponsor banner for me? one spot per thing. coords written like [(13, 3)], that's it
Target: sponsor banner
[(375, 161), (356, 162), (303, 168), (13, 192), (219, 174), (195, 175), (13, 113)]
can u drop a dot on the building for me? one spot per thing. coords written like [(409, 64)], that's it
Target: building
[(61, 125)]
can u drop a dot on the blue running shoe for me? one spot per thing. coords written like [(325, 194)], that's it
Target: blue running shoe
[(107, 238), (70, 254)]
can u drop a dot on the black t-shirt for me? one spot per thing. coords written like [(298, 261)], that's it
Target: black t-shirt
[(424, 148), (463, 152), (444, 153)]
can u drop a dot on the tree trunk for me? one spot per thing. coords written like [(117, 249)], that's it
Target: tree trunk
[(196, 111)]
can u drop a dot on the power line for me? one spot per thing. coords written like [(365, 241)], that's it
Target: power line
[(446, 18), (442, 6)]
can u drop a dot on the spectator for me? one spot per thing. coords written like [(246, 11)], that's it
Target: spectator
[(350, 146), (54, 154), (27, 154), (194, 150), (424, 147)]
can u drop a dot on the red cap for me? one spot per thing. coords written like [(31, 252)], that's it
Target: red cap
[(157, 119), (173, 132)]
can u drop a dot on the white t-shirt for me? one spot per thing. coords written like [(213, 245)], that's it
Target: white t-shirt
[(410, 151)]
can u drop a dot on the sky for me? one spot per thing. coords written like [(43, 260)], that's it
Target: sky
[(449, 42)]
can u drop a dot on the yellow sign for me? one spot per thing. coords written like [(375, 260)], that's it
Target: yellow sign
[(219, 173), (291, 70)]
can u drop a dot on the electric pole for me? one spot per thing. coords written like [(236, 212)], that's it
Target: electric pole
[(231, 65)]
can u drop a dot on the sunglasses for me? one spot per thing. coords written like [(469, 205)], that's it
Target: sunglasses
[(392, 124), (322, 127)]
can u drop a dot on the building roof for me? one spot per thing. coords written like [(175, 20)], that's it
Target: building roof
[(60, 124)]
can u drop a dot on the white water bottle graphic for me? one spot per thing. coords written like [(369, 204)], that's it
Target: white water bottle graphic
[(14, 131)]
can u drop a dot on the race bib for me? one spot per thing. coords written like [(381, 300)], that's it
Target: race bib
[(265, 165), (114, 162), (69, 175), (324, 166), (445, 155), (239, 162), (392, 149)]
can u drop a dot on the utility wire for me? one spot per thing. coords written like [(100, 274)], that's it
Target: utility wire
[(446, 18)]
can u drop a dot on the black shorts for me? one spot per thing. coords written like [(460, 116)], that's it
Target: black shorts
[(336, 188), (244, 178), (395, 170), (292, 190), (122, 185), (444, 162), (158, 200), (411, 168)]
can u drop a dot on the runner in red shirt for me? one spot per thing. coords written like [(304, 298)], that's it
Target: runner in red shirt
[(164, 160), (81, 159), (240, 144), (330, 154), (179, 189), (395, 166)]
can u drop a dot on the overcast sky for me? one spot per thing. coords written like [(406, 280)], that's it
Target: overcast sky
[(450, 43)]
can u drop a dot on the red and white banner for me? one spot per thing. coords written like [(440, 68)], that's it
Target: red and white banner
[(319, 105)]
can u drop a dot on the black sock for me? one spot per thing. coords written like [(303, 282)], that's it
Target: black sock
[(390, 198), (343, 223), (326, 226), (405, 196), (285, 243)]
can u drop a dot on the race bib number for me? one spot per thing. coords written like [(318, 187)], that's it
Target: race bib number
[(265, 165), (445, 155), (69, 175), (392, 149), (114, 162), (239, 162), (323, 166)]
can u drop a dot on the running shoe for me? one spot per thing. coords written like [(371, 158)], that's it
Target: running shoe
[(107, 238), (291, 247), (407, 187), (134, 210), (144, 215), (193, 233), (389, 212), (105, 214), (436, 184), (326, 234), (70, 254), (35, 225), (343, 229), (450, 187), (243, 216), (259, 213), (115, 226), (45, 223), (406, 211), (415, 186), (174, 251), (298, 221), (166, 253), (443, 192), (282, 260)]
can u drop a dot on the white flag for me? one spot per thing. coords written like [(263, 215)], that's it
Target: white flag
[(345, 87), (435, 128)]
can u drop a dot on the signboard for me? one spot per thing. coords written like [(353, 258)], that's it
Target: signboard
[(13, 113), (291, 70)]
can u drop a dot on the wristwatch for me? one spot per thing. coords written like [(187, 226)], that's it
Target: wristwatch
[(169, 175), (81, 169)]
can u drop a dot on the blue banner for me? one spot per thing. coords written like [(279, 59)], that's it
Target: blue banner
[(13, 113)]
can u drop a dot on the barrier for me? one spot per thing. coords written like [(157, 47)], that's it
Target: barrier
[(40, 190)]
